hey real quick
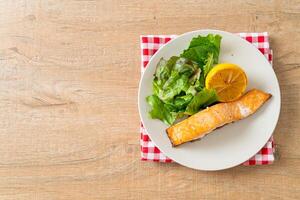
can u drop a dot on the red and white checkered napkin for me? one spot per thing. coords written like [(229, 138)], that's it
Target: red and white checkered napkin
[(150, 44)]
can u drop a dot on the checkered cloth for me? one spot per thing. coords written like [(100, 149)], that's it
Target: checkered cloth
[(150, 44)]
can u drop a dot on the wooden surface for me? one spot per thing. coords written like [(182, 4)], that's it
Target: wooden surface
[(69, 124)]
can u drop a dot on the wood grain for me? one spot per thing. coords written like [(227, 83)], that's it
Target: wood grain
[(69, 73)]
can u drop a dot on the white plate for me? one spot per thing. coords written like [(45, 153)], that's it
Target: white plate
[(232, 144)]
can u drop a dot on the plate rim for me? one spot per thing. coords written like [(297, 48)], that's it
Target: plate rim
[(249, 44)]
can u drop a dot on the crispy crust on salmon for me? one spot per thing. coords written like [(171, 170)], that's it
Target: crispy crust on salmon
[(205, 121)]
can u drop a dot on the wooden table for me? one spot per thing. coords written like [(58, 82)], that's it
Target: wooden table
[(69, 124)]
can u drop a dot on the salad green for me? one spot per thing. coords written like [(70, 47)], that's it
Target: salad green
[(179, 82)]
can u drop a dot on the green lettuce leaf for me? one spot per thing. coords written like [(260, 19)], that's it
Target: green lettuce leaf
[(185, 66), (209, 63), (164, 69), (174, 85), (179, 82), (160, 110), (181, 102), (156, 88), (200, 47), (202, 99), (195, 76)]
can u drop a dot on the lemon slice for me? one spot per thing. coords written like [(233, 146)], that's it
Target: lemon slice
[(229, 81)]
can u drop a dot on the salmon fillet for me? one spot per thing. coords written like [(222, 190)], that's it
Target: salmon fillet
[(205, 121)]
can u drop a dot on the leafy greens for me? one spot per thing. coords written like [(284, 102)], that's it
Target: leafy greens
[(179, 82)]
